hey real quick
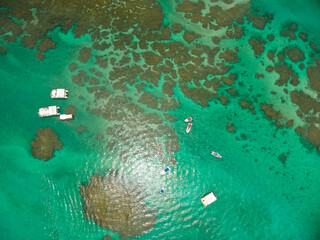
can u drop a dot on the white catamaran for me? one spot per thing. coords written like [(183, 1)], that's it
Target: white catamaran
[(49, 111), (59, 93)]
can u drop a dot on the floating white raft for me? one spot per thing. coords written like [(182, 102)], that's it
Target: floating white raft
[(208, 199), (49, 111), (59, 93), (65, 117)]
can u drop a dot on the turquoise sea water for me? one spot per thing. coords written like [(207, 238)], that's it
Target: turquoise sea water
[(259, 197)]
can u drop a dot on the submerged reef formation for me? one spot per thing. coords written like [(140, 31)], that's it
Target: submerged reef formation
[(45, 143), (150, 63), (133, 51), (114, 203), (32, 20), (107, 237), (70, 110)]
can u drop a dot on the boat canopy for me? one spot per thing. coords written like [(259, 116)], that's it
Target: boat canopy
[(49, 111), (208, 199), (59, 93)]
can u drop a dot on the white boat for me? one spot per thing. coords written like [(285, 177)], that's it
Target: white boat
[(59, 93), (208, 199), (189, 119), (167, 169), (189, 127), (65, 117), (161, 191), (216, 154), (49, 111)]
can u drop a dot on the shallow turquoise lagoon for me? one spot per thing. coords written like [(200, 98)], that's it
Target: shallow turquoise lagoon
[(259, 196)]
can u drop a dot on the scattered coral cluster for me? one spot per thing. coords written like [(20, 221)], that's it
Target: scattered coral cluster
[(284, 61)]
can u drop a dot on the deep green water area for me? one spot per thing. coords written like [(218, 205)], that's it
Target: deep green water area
[(259, 196)]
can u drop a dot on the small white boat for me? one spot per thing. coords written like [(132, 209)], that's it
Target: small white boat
[(216, 154), (59, 93), (167, 169), (49, 111), (208, 199), (189, 127), (65, 117), (189, 119)]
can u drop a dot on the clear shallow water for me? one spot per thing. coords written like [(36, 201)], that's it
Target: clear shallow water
[(258, 197)]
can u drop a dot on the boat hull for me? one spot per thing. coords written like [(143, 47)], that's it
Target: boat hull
[(189, 119), (65, 117), (189, 127), (166, 170), (215, 154)]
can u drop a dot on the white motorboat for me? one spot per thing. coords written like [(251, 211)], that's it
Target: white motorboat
[(59, 93), (65, 117), (189, 119), (49, 111), (189, 127)]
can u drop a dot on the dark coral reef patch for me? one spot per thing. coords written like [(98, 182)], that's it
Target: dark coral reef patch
[(117, 204), (45, 144)]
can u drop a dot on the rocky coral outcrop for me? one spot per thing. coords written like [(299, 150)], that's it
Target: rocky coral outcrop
[(230, 127), (290, 31), (258, 22), (257, 45), (190, 36), (271, 113), (295, 55), (286, 73), (313, 74), (3, 50), (85, 54)]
